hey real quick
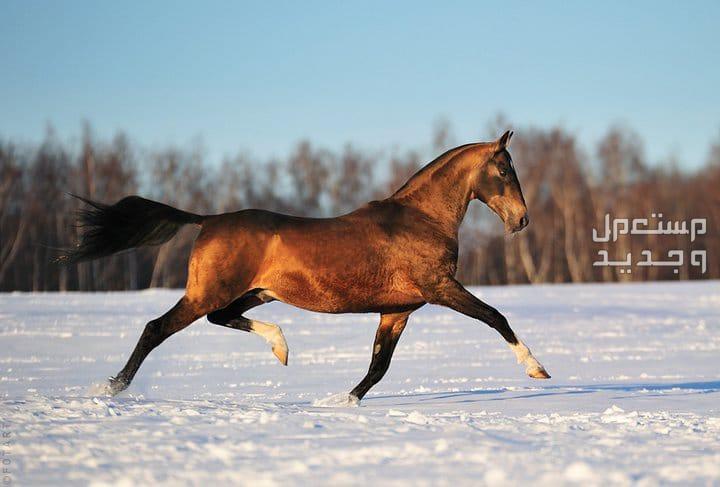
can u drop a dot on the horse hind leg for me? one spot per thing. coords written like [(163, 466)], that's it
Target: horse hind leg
[(184, 313), (269, 331), (231, 317)]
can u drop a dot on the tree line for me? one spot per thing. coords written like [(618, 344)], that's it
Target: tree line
[(568, 192)]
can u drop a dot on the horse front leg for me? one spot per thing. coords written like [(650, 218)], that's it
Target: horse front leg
[(386, 338), (452, 294)]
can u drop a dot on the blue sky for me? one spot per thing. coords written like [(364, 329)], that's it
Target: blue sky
[(260, 76)]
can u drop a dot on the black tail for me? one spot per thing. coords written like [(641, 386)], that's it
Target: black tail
[(131, 222)]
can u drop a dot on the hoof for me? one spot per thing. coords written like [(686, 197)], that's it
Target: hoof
[(281, 352), (115, 386), (538, 373), (342, 400), (112, 387)]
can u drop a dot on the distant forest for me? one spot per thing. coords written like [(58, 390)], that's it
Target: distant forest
[(568, 191)]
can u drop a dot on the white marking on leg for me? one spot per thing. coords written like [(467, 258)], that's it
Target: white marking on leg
[(274, 336), (524, 356)]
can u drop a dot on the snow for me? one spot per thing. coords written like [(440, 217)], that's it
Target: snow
[(633, 398)]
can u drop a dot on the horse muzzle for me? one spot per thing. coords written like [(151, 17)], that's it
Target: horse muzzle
[(522, 223)]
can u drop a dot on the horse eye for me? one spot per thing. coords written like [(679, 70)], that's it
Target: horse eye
[(503, 172)]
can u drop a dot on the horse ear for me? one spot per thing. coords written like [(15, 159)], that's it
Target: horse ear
[(503, 141)]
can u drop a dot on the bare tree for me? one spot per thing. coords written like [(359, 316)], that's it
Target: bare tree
[(567, 193)]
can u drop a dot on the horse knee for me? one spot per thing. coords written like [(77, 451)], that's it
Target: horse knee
[(500, 323)]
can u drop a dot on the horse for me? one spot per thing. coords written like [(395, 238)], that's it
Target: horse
[(390, 257)]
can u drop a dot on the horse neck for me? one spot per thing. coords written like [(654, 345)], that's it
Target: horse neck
[(441, 190)]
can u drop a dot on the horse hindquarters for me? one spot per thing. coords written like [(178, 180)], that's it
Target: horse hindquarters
[(214, 280)]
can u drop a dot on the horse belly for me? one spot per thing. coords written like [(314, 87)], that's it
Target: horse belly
[(356, 285), (333, 300)]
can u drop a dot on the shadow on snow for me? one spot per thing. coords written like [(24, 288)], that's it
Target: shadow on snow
[(649, 389)]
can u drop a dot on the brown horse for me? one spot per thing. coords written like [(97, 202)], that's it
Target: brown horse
[(388, 257)]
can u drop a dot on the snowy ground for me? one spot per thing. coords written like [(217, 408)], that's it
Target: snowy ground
[(634, 398)]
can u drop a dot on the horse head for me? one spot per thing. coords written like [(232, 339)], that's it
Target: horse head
[(495, 183)]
